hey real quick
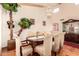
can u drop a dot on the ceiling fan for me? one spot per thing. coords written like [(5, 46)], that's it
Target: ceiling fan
[(33, 5)]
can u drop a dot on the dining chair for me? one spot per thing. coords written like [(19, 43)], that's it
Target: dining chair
[(45, 48), (22, 49), (58, 42)]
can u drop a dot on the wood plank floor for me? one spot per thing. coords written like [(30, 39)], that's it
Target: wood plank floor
[(66, 51), (8, 53), (69, 51)]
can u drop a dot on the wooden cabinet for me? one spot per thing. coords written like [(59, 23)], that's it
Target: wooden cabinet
[(71, 37), (71, 27)]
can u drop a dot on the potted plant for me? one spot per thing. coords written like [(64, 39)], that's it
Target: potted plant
[(11, 7), (24, 23)]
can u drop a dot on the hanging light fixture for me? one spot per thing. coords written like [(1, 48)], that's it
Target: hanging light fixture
[(50, 11), (55, 10)]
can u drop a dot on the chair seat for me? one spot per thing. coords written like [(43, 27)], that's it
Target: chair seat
[(58, 41), (26, 50), (53, 43), (40, 49), (55, 48)]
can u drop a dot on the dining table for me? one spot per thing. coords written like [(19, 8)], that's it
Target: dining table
[(35, 40)]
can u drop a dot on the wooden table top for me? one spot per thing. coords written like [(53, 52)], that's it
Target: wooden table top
[(34, 38)]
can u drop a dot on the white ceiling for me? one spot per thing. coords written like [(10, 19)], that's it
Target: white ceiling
[(56, 4), (46, 5)]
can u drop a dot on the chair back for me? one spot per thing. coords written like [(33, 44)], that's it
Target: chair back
[(18, 44), (47, 45), (58, 41), (62, 34)]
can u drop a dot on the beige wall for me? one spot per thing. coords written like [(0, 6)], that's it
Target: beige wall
[(36, 13), (24, 11), (0, 29), (67, 11)]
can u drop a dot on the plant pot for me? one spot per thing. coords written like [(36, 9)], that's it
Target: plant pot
[(11, 44)]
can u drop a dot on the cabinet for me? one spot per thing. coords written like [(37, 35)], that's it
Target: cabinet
[(71, 27), (72, 37)]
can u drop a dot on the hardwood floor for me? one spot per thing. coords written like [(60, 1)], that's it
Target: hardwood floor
[(5, 52), (69, 51), (66, 51)]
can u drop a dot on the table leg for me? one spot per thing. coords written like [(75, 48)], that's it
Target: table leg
[(33, 46)]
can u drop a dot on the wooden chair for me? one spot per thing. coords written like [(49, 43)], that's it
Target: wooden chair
[(58, 42), (45, 49), (22, 47), (25, 47)]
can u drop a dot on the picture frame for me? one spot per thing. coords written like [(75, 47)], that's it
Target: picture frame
[(56, 27), (32, 21), (44, 23)]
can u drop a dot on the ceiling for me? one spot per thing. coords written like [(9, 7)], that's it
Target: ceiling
[(46, 5)]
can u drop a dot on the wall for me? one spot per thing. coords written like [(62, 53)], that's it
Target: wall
[(67, 11), (0, 29), (24, 11), (4, 29), (32, 12)]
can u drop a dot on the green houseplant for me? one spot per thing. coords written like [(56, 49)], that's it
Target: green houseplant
[(10, 7), (24, 23)]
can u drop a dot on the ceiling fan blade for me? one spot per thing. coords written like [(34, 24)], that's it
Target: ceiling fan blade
[(33, 5)]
